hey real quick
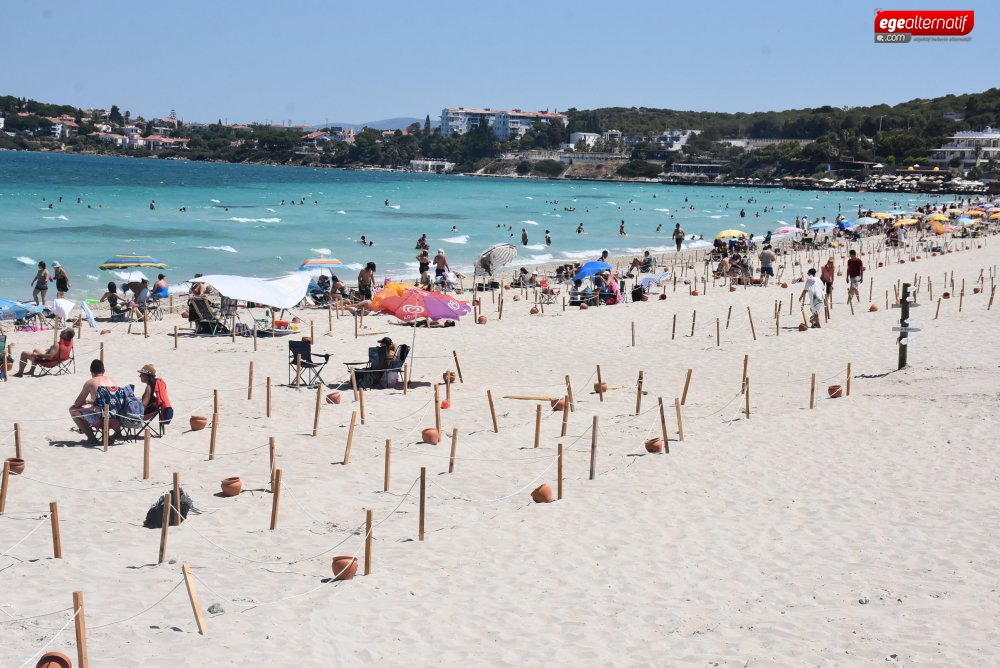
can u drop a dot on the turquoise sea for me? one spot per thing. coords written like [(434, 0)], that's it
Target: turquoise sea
[(235, 221)]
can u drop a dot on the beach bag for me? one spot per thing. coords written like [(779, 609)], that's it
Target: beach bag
[(122, 404), (154, 516), (637, 293), (131, 417)]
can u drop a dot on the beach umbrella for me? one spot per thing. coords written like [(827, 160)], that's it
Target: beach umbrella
[(866, 220), (591, 268), (131, 262), (938, 217), (414, 304), (321, 263), (905, 222), (845, 224), (973, 212), (787, 230), (726, 234), (388, 290), (821, 226), (15, 310), (495, 257), (995, 216), (954, 211), (882, 216)]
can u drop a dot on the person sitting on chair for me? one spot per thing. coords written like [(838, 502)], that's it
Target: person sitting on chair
[(115, 300), (85, 414), (50, 355), (154, 397), (138, 302)]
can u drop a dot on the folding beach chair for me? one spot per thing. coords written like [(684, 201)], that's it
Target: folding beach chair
[(64, 363), (300, 357), (548, 294), (377, 373), (200, 312)]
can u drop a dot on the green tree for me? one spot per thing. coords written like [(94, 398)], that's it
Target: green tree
[(115, 116), (427, 124)]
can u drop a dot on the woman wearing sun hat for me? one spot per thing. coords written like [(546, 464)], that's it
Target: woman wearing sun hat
[(154, 397)]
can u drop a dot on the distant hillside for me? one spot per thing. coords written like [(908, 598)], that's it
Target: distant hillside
[(400, 123)]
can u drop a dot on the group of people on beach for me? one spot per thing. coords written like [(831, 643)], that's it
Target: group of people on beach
[(40, 283)]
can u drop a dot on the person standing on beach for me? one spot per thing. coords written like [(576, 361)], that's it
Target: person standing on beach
[(440, 263), (678, 236), (855, 275), (40, 283), (366, 281), (826, 274), (62, 280), (767, 258), (424, 260), (815, 291)]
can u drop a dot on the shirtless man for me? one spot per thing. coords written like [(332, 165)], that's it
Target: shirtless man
[(83, 411), (440, 263)]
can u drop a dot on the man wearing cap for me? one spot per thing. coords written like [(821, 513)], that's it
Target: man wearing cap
[(83, 411), (440, 263)]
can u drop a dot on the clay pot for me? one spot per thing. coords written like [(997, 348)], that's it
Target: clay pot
[(732, 288), (600, 387), (533, 310), (475, 302), (333, 398), (803, 327), (654, 445), (663, 296), (695, 293), (687, 281), (296, 320), (797, 263), (198, 422), (557, 404), (945, 295), (784, 285), (16, 465), (976, 291), (307, 339), (880, 264), (583, 307), (481, 320), (345, 568), (184, 314), (445, 405), (835, 391), (54, 660), (430, 436), (517, 298), (231, 486), (543, 494), (449, 377), (902, 261), (644, 298), (872, 308), (105, 331)]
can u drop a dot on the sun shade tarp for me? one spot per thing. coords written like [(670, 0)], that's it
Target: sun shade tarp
[(281, 292)]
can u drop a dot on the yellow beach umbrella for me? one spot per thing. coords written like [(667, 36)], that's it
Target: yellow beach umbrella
[(973, 212), (882, 216), (726, 234), (995, 216), (939, 217), (954, 211), (902, 222)]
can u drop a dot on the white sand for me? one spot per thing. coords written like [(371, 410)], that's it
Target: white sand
[(754, 542)]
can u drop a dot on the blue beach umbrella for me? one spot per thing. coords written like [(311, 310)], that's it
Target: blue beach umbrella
[(821, 226), (13, 310), (591, 268), (845, 224)]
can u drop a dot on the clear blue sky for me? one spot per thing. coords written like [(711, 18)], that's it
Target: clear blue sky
[(353, 61)]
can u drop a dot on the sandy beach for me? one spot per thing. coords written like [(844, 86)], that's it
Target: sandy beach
[(860, 530)]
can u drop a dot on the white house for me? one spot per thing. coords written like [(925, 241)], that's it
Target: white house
[(588, 138), (969, 148), (515, 123), (506, 124)]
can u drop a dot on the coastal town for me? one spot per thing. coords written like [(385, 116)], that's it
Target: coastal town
[(540, 144)]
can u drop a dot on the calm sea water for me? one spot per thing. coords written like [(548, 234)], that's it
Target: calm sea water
[(235, 221)]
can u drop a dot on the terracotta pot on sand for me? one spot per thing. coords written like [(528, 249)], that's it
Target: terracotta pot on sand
[(333, 398), (835, 391), (198, 422), (345, 568), (543, 494), (231, 486), (654, 445), (430, 435), (16, 465), (54, 660)]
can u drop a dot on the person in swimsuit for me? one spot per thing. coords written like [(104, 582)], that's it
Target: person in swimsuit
[(41, 284), (62, 280), (366, 281), (162, 289)]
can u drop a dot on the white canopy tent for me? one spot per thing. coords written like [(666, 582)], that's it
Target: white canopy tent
[(283, 292)]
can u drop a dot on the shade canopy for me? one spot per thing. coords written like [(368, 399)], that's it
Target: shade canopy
[(495, 257), (281, 292), (131, 261), (727, 234)]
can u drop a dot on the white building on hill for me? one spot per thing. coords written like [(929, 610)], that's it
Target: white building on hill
[(969, 148), (506, 123)]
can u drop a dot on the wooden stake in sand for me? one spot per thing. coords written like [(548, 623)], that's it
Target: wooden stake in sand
[(250, 382), (102, 353), (673, 328), (193, 596), (680, 421), (79, 620), (559, 473), (214, 436), (406, 378), (743, 378), (298, 370), (4, 484), (17, 439), (663, 426), (454, 447), (166, 526), (145, 454), (319, 399), (718, 340), (812, 391), (694, 316), (593, 449), (437, 408), (255, 338), (105, 420), (270, 460), (565, 416), (746, 396), (423, 499), (638, 394), (729, 315), (569, 395), (753, 330), (175, 337), (388, 465), (633, 333), (361, 403), (600, 383), (848, 383), (368, 542), (275, 498), (56, 537), (493, 412), (350, 438), (447, 387), (268, 396), (458, 367), (538, 423), (938, 309)]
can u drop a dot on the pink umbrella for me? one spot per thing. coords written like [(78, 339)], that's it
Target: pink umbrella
[(787, 230)]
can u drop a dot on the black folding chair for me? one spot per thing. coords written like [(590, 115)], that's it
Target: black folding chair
[(301, 359)]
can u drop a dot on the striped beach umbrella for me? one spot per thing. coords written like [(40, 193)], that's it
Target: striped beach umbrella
[(131, 262), (320, 263)]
